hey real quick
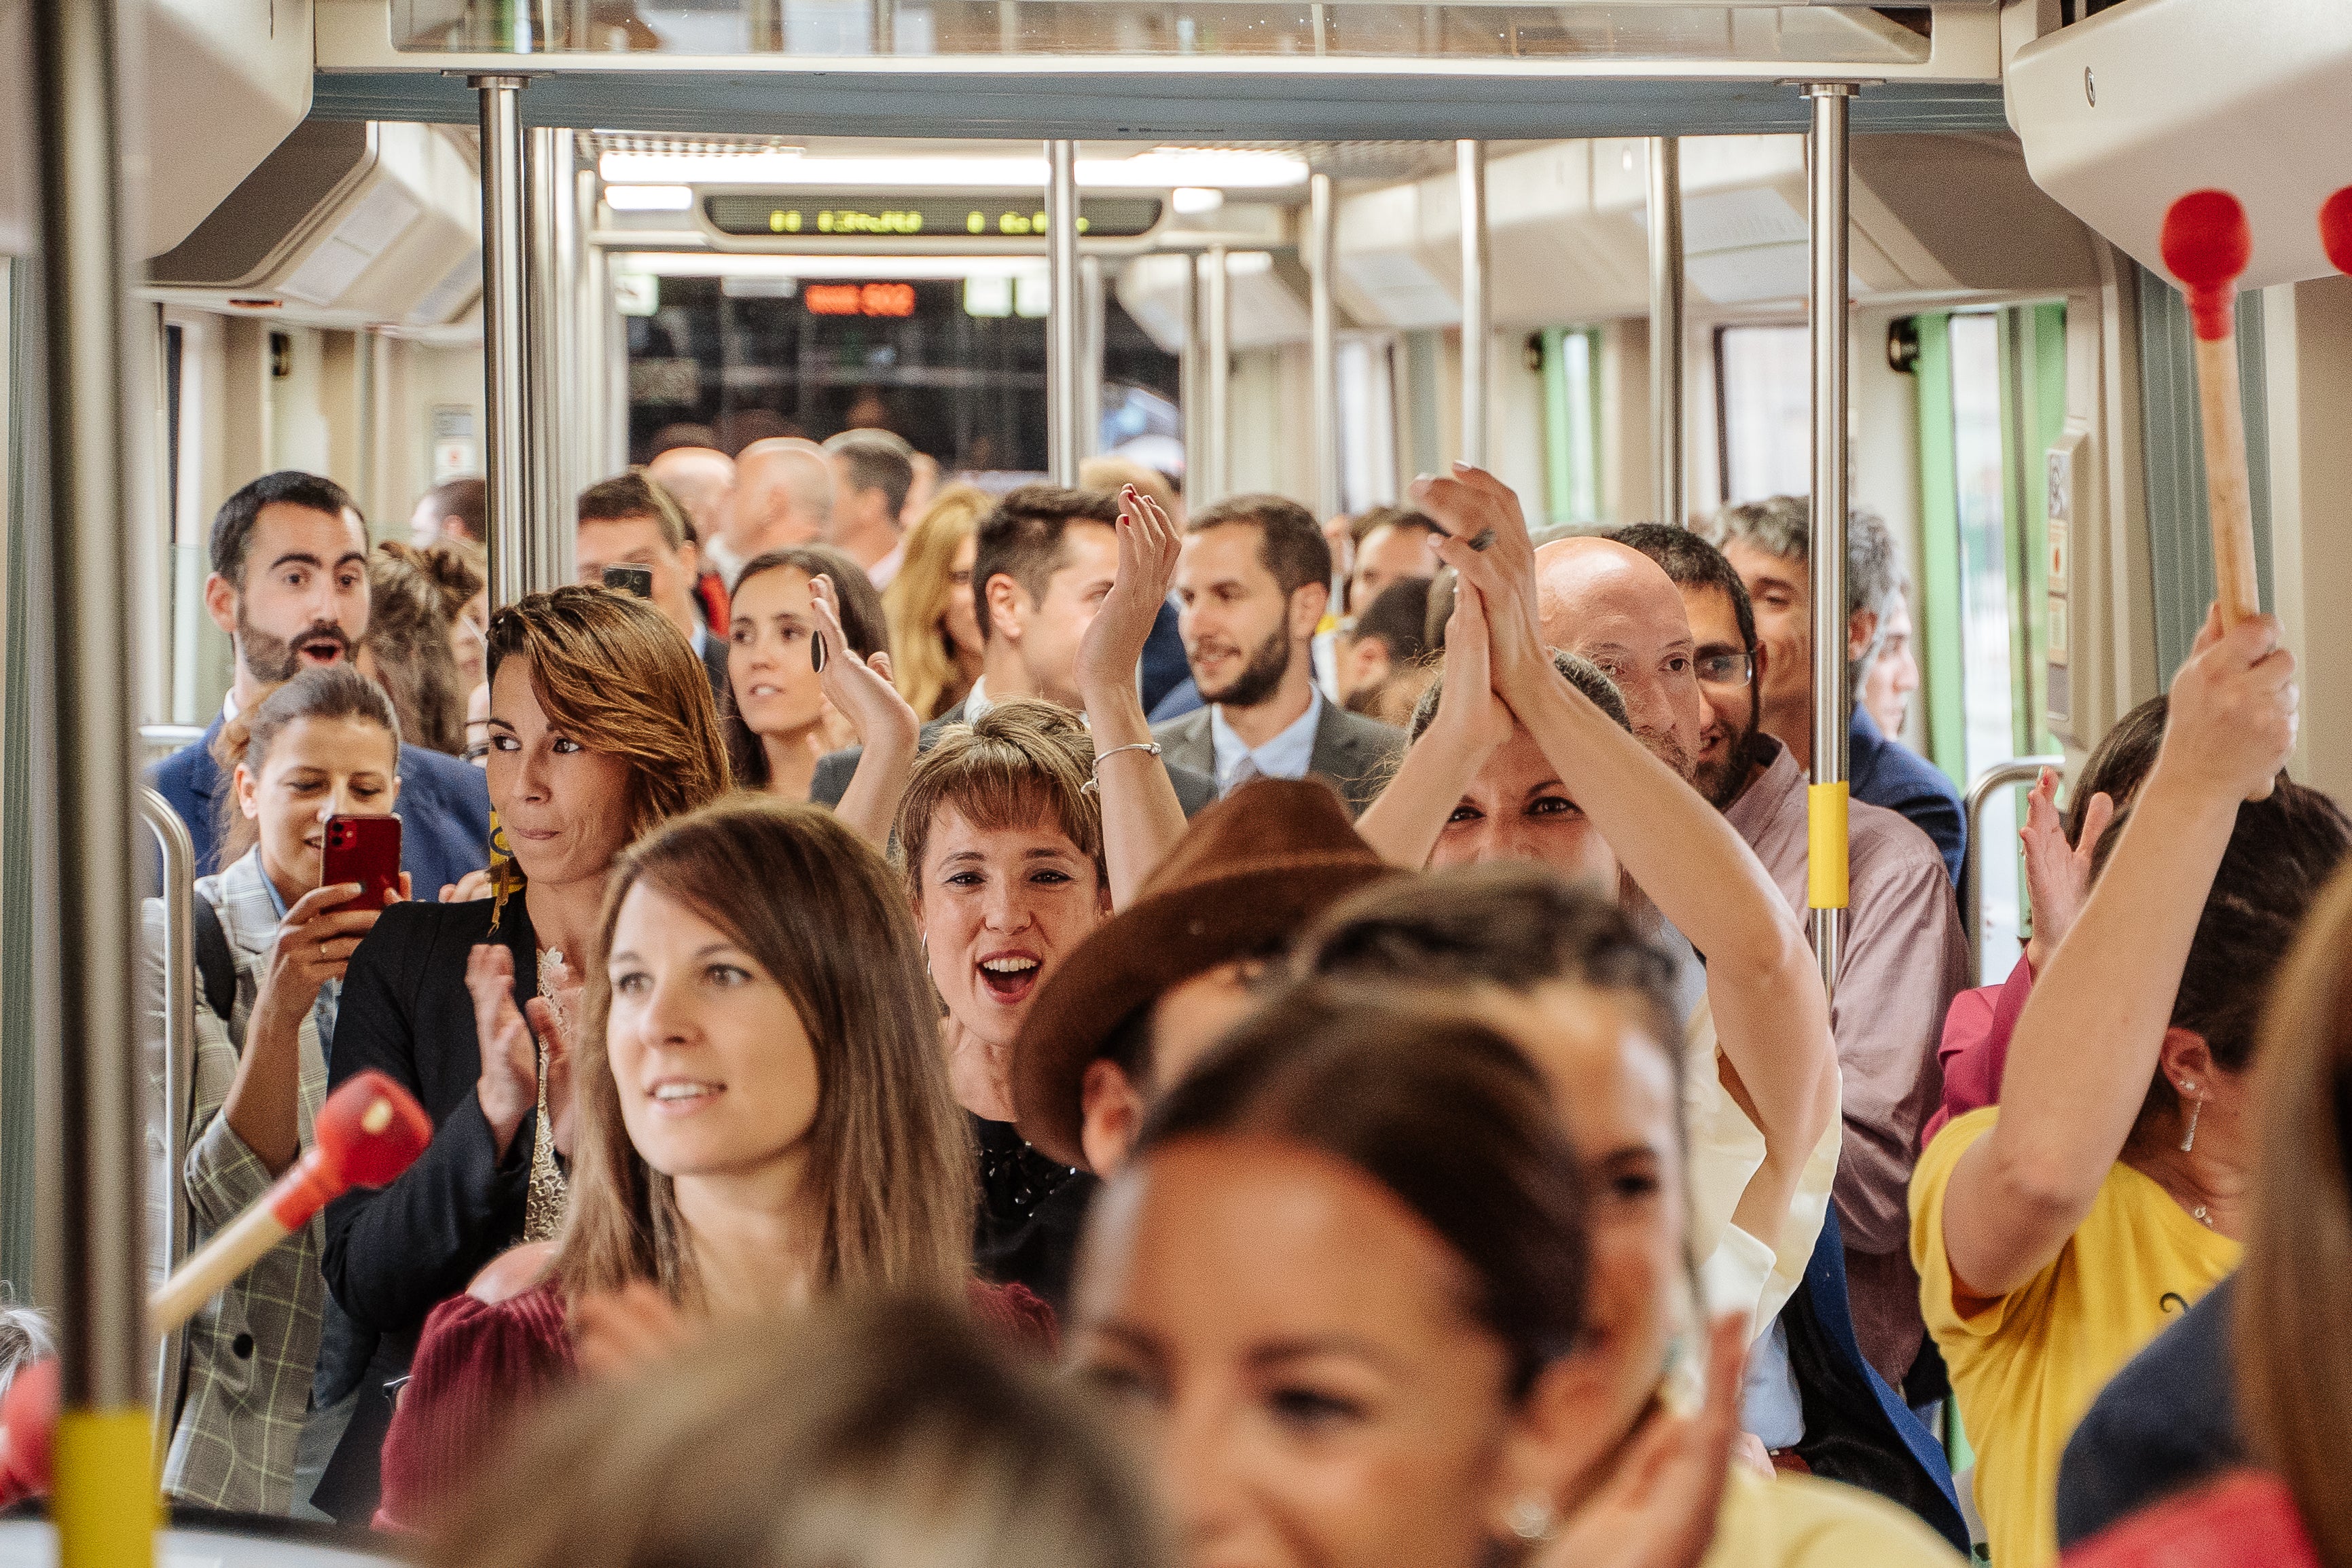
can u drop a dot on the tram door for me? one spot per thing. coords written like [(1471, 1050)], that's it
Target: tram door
[(1991, 398)]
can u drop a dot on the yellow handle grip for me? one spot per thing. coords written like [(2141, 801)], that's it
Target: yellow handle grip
[(106, 1502), (1826, 864)]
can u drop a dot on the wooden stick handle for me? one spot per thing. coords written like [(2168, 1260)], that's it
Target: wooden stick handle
[(247, 1239), (2230, 504)]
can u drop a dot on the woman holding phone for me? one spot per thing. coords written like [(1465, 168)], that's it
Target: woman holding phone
[(324, 745)]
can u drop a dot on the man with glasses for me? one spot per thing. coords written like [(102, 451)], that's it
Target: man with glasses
[(1904, 957)]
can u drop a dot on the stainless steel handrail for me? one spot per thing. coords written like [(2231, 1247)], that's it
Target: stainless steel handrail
[(178, 851), (2001, 775)]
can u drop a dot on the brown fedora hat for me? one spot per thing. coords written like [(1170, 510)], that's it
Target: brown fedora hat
[(1246, 875)]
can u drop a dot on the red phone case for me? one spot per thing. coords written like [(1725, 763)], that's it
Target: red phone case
[(364, 850)]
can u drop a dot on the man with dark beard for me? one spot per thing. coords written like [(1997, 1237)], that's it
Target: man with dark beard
[(289, 587), (1905, 955), (1250, 588)]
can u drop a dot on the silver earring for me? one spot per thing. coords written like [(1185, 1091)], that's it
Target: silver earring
[(2196, 1108), (1530, 1520)]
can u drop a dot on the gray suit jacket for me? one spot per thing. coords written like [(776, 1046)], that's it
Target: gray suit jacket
[(1353, 754), (1194, 788)]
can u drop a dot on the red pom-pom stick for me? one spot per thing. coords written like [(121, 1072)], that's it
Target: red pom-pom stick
[(2207, 244), (28, 1419), (2336, 229)]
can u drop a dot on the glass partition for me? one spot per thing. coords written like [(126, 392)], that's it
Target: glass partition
[(1627, 31)]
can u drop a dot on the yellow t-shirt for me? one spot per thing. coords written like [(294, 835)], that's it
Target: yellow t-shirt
[(1796, 1522), (2025, 1367)]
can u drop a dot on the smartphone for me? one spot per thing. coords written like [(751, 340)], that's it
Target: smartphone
[(364, 850), (637, 580)]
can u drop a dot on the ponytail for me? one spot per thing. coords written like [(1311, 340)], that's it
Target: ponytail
[(338, 690)]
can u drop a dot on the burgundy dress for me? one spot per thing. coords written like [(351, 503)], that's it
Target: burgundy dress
[(479, 1362)]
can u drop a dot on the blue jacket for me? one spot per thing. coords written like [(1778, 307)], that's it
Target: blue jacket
[(445, 810), (1890, 774)]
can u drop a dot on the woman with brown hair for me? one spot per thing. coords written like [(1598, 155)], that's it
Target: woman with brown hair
[(408, 649), (764, 1119), (2056, 1232), (935, 639), (808, 672), (601, 727), (1018, 833), (2294, 1351)]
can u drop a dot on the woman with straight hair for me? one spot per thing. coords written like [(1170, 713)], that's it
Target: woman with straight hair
[(324, 744), (808, 673), (601, 727), (935, 643), (2058, 1231), (879, 1433), (765, 1120), (2292, 1341)]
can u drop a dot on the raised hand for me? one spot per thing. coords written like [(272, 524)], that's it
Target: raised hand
[(1149, 546), (860, 690), (473, 885), (2057, 874), (509, 1085), (1659, 1507), (1471, 720), (1486, 542), (2234, 710)]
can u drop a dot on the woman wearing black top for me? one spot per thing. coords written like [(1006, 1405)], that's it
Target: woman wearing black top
[(601, 725)]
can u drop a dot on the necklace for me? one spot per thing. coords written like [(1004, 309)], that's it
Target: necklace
[(547, 1191)]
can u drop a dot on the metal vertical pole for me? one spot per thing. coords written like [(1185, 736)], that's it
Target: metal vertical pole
[(598, 342), (1666, 326), (1470, 173), (1189, 394), (1217, 308), (1826, 802), (1062, 415), (1322, 260), (1092, 303), (506, 342), (105, 1505), (553, 394)]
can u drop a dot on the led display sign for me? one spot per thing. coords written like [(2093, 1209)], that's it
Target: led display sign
[(850, 218), (859, 299)]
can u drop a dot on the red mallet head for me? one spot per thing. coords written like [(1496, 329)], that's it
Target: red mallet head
[(28, 1417), (368, 1132), (2207, 246), (2336, 229)]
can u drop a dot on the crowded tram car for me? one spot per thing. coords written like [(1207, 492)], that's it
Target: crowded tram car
[(1175, 783)]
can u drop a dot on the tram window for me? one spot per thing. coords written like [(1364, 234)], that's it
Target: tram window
[(1571, 358), (1366, 373), (1763, 389)]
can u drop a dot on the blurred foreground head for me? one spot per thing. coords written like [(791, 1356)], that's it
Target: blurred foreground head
[(887, 1433)]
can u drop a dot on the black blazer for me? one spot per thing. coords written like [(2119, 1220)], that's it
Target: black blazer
[(392, 1256), (714, 664)]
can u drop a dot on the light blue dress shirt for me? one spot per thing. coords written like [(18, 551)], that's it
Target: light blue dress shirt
[(1286, 756)]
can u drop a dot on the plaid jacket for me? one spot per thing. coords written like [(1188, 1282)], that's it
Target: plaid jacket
[(252, 1350)]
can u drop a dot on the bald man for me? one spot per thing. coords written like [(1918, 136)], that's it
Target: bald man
[(1618, 608), (703, 481), (1905, 956), (783, 496)]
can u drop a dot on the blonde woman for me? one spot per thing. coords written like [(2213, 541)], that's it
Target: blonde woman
[(934, 623)]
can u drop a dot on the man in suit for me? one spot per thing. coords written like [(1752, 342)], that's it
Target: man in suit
[(1046, 557), (289, 587), (1252, 586), (629, 520), (873, 470)]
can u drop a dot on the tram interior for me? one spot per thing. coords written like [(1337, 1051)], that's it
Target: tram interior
[(304, 215)]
